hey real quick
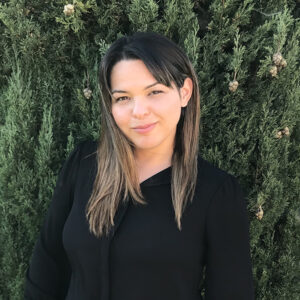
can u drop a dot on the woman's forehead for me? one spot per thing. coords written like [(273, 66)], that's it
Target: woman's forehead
[(130, 66), (130, 73)]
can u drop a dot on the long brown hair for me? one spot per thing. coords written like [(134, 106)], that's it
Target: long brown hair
[(116, 179)]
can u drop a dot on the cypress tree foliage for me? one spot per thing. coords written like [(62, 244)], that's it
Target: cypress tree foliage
[(246, 56), (240, 128)]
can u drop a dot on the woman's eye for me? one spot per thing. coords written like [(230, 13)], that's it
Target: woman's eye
[(122, 98), (156, 92)]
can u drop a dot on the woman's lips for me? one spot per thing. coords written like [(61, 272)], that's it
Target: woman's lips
[(144, 128)]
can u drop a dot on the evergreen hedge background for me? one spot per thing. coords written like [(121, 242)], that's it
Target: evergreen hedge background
[(50, 102)]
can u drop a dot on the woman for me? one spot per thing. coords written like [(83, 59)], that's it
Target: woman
[(140, 215)]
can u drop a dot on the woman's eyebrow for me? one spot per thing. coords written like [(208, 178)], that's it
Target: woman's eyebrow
[(147, 87)]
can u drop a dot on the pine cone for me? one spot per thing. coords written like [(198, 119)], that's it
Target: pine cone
[(283, 63), (259, 213), (286, 131), (273, 71), (279, 134), (87, 93), (277, 58), (233, 85), (69, 9)]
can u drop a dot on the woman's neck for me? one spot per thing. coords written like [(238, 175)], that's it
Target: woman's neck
[(149, 163), (149, 158)]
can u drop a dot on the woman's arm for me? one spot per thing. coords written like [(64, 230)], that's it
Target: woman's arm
[(49, 271), (228, 263)]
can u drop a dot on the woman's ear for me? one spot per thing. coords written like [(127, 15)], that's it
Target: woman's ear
[(186, 91)]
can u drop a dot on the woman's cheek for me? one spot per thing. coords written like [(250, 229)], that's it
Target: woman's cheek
[(121, 117)]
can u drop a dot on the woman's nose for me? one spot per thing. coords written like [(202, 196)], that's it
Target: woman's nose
[(140, 108)]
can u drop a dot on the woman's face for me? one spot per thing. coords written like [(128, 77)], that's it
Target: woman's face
[(146, 112)]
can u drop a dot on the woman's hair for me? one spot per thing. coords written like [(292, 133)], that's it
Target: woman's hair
[(117, 179)]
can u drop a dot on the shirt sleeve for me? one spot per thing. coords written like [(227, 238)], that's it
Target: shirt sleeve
[(48, 274), (228, 274)]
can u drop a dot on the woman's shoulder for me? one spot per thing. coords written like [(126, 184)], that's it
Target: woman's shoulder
[(87, 148), (207, 168), (210, 176)]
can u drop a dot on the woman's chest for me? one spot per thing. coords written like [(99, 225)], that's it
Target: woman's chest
[(145, 235)]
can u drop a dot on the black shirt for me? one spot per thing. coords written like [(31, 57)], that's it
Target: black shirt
[(145, 257)]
